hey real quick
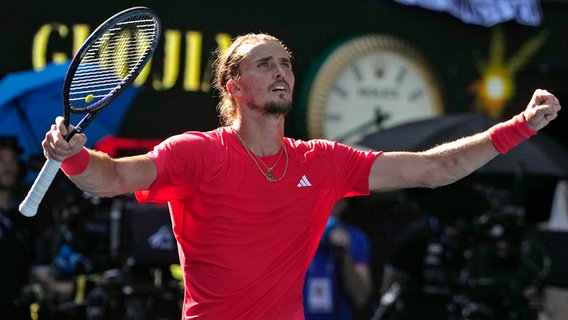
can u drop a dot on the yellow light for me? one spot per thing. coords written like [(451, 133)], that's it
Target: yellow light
[(497, 86)]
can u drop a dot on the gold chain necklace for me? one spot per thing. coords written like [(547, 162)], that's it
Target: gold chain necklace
[(269, 169), (268, 174)]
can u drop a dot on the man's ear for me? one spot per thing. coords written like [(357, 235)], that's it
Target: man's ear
[(234, 88)]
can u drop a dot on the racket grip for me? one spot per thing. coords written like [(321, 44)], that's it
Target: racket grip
[(29, 206)]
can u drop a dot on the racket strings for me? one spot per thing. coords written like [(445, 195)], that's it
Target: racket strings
[(112, 59)]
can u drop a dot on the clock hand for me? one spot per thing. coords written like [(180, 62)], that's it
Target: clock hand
[(380, 116)]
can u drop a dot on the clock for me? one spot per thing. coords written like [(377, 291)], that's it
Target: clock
[(368, 83)]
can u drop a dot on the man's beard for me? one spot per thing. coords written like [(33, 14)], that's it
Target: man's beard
[(275, 108)]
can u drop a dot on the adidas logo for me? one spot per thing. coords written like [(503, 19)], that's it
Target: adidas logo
[(304, 182)]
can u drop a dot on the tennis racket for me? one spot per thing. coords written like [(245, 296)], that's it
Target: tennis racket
[(106, 64)]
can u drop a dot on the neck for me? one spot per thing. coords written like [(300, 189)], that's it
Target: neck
[(263, 138)]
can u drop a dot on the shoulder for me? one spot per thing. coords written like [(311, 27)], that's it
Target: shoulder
[(319, 145), (330, 150), (190, 147), (195, 139), (313, 143)]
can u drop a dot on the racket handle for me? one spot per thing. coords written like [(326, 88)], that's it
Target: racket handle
[(29, 206)]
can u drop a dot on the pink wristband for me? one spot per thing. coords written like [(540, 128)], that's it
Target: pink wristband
[(77, 163), (507, 135)]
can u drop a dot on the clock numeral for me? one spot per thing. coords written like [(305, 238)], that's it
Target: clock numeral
[(402, 72), (415, 95), (378, 66), (357, 74), (342, 93)]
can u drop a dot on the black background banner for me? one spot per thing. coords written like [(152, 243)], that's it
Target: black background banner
[(454, 49)]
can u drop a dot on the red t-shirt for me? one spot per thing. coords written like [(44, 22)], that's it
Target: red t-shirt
[(245, 243)]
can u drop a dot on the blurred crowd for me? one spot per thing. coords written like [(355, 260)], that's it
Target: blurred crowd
[(79, 258)]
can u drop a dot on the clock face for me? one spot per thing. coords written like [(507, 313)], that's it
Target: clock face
[(367, 84)]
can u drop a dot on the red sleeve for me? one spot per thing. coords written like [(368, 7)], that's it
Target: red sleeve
[(355, 167), (181, 162), (345, 169)]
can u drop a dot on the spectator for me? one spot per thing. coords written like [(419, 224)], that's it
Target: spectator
[(338, 282), (16, 238)]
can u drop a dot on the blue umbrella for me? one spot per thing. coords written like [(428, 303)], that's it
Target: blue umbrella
[(30, 101)]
